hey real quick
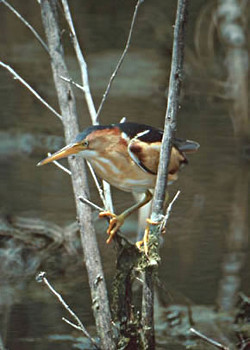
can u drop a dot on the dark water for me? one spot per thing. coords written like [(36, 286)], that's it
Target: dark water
[(208, 226)]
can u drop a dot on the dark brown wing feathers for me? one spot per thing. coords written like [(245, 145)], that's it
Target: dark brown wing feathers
[(145, 150)]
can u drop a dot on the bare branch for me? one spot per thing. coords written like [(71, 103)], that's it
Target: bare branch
[(60, 166), (41, 278), (11, 8), (104, 97), (105, 193), (83, 199), (82, 63), (73, 83), (99, 189), (172, 109), (208, 340), (148, 335), (67, 102), (108, 196), (166, 217), (86, 88), (71, 323), (91, 204), (22, 81), (147, 319)]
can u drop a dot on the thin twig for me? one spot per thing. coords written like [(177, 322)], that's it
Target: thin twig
[(71, 323), (166, 217), (104, 97), (73, 83), (82, 63), (60, 166), (82, 199), (11, 8), (108, 196), (41, 278), (208, 340), (98, 186), (22, 81), (87, 93), (91, 204)]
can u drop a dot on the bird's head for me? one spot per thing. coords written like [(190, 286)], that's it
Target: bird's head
[(89, 143)]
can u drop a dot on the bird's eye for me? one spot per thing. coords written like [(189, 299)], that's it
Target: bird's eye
[(85, 143)]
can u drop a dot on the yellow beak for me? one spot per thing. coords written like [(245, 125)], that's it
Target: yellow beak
[(64, 152)]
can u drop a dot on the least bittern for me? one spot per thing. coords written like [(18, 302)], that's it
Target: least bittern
[(126, 155)]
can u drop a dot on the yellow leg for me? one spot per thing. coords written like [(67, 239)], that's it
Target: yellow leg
[(145, 239), (116, 221)]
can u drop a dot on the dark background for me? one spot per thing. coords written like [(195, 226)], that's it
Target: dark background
[(197, 240)]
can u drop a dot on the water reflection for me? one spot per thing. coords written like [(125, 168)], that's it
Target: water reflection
[(208, 225)]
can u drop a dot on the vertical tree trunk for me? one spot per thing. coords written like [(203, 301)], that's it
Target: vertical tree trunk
[(175, 80), (148, 338), (100, 303)]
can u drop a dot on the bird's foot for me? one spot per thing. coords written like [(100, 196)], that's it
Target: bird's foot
[(115, 222), (145, 240)]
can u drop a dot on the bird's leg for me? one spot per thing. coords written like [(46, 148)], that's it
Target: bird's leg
[(116, 221), (144, 241)]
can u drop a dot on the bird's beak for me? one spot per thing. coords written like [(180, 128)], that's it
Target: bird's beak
[(72, 148)]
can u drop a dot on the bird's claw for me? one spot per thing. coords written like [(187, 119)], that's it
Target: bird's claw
[(116, 221), (145, 240)]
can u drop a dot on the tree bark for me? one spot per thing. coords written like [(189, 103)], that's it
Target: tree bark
[(172, 108), (148, 337), (66, 99)]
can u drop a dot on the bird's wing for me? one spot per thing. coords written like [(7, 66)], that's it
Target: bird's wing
[(187, 146), (145, 154), (145, 144)]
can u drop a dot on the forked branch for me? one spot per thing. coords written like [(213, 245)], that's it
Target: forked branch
[(41, 277)]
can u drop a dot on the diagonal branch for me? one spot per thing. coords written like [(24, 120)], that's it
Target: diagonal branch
[(209, 340), (104, 97), (41, 277), (169, 209), (85, 81), (22, 81), (82, 63), (27, 24), (86, 89)]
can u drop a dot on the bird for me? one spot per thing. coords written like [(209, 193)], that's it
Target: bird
[(126, 155)]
